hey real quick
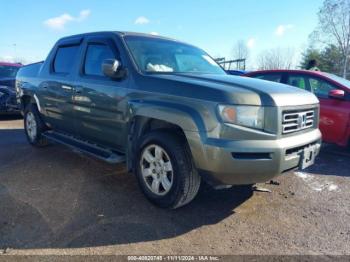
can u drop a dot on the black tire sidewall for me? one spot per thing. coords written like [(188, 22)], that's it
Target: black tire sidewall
[(180, 168), (32, 109)]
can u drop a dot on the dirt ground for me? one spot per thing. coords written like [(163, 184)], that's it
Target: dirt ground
[(56, 201)]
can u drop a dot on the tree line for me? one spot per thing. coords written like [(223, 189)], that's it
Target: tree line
[(329, 43), (331, 39)]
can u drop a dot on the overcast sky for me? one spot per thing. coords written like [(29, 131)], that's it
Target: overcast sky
[(28, 29)]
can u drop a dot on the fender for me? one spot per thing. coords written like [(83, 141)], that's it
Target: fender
[(183, 116), (178, 114), (24, 98)]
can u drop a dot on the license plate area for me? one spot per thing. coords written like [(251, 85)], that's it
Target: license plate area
[(308, 156)]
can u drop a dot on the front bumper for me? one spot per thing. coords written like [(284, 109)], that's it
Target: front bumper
[(250, 161)]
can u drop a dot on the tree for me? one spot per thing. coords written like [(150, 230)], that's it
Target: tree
[(275, 59), (329, 59), (240, 50), (311, 54), (332, 60), (334, 26)]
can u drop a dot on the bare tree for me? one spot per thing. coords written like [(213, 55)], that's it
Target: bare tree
[(275, 59), (240, 50), (334, 26)]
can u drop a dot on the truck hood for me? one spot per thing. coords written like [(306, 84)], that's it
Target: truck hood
[(240, 90)]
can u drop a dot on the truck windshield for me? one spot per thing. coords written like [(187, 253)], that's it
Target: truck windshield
[(8, 71), (155, 55)]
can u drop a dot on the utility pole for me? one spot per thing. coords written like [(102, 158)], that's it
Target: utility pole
[(15, 51)]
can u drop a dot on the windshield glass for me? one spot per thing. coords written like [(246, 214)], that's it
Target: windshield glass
[(340, 80), (155, 55), (8, 71)]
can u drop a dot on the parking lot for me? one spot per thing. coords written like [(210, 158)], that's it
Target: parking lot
[(56, 201)]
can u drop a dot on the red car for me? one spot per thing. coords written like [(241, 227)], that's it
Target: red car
[(333, 93)]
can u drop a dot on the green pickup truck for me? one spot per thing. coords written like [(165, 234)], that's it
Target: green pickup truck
[(168, 111)]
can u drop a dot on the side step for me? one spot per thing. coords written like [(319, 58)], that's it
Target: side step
[(85, 147)]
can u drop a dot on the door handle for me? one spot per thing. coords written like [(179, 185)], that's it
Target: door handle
[(69, 88)]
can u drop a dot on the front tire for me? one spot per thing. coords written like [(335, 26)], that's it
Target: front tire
[(34, 126), (165, 170)]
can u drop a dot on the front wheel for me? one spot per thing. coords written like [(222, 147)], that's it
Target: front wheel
[(165, 170)]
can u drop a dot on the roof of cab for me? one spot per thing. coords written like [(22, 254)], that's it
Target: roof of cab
[(120, 33)]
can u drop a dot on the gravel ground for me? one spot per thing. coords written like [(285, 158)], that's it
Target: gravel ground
[(56, 201)]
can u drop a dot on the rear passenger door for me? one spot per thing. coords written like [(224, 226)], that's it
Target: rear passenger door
[(98, 100), (56, 89)]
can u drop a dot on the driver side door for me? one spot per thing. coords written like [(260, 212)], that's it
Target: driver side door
[(99, 101), (334, 113)]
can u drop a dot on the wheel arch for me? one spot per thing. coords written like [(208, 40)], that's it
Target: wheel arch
[(25, 101), (141, 125), (146, 118)]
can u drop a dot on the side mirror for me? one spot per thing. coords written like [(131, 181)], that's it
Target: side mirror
[(112, 68), (336, 93)]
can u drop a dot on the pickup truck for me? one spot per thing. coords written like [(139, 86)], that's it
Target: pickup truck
[(168, 111)]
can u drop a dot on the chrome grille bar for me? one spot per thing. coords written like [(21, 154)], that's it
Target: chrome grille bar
[(293, 121)]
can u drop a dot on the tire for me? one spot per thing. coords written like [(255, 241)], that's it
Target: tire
[(34, 126), (182, 182)]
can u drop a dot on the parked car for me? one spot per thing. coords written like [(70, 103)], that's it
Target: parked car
[(8, 102), (167, 110), (333, 93)]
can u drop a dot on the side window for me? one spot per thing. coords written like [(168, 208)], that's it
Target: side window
[(64, 59), (320, 87), (297, 81), (270, 77), (95, 55)]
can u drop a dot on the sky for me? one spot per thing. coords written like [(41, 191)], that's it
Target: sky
[(28, 29)]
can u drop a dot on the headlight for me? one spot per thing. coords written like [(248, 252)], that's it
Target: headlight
[(248, 116)]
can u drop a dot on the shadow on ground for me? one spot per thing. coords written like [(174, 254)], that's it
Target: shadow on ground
[(55, 198), (10, 117), (338, 156)]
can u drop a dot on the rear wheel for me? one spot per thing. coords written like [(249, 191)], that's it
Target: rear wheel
[(34, 126), (165, 170)]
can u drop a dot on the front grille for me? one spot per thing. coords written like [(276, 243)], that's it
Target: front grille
[(3, 98), (293, 121)]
